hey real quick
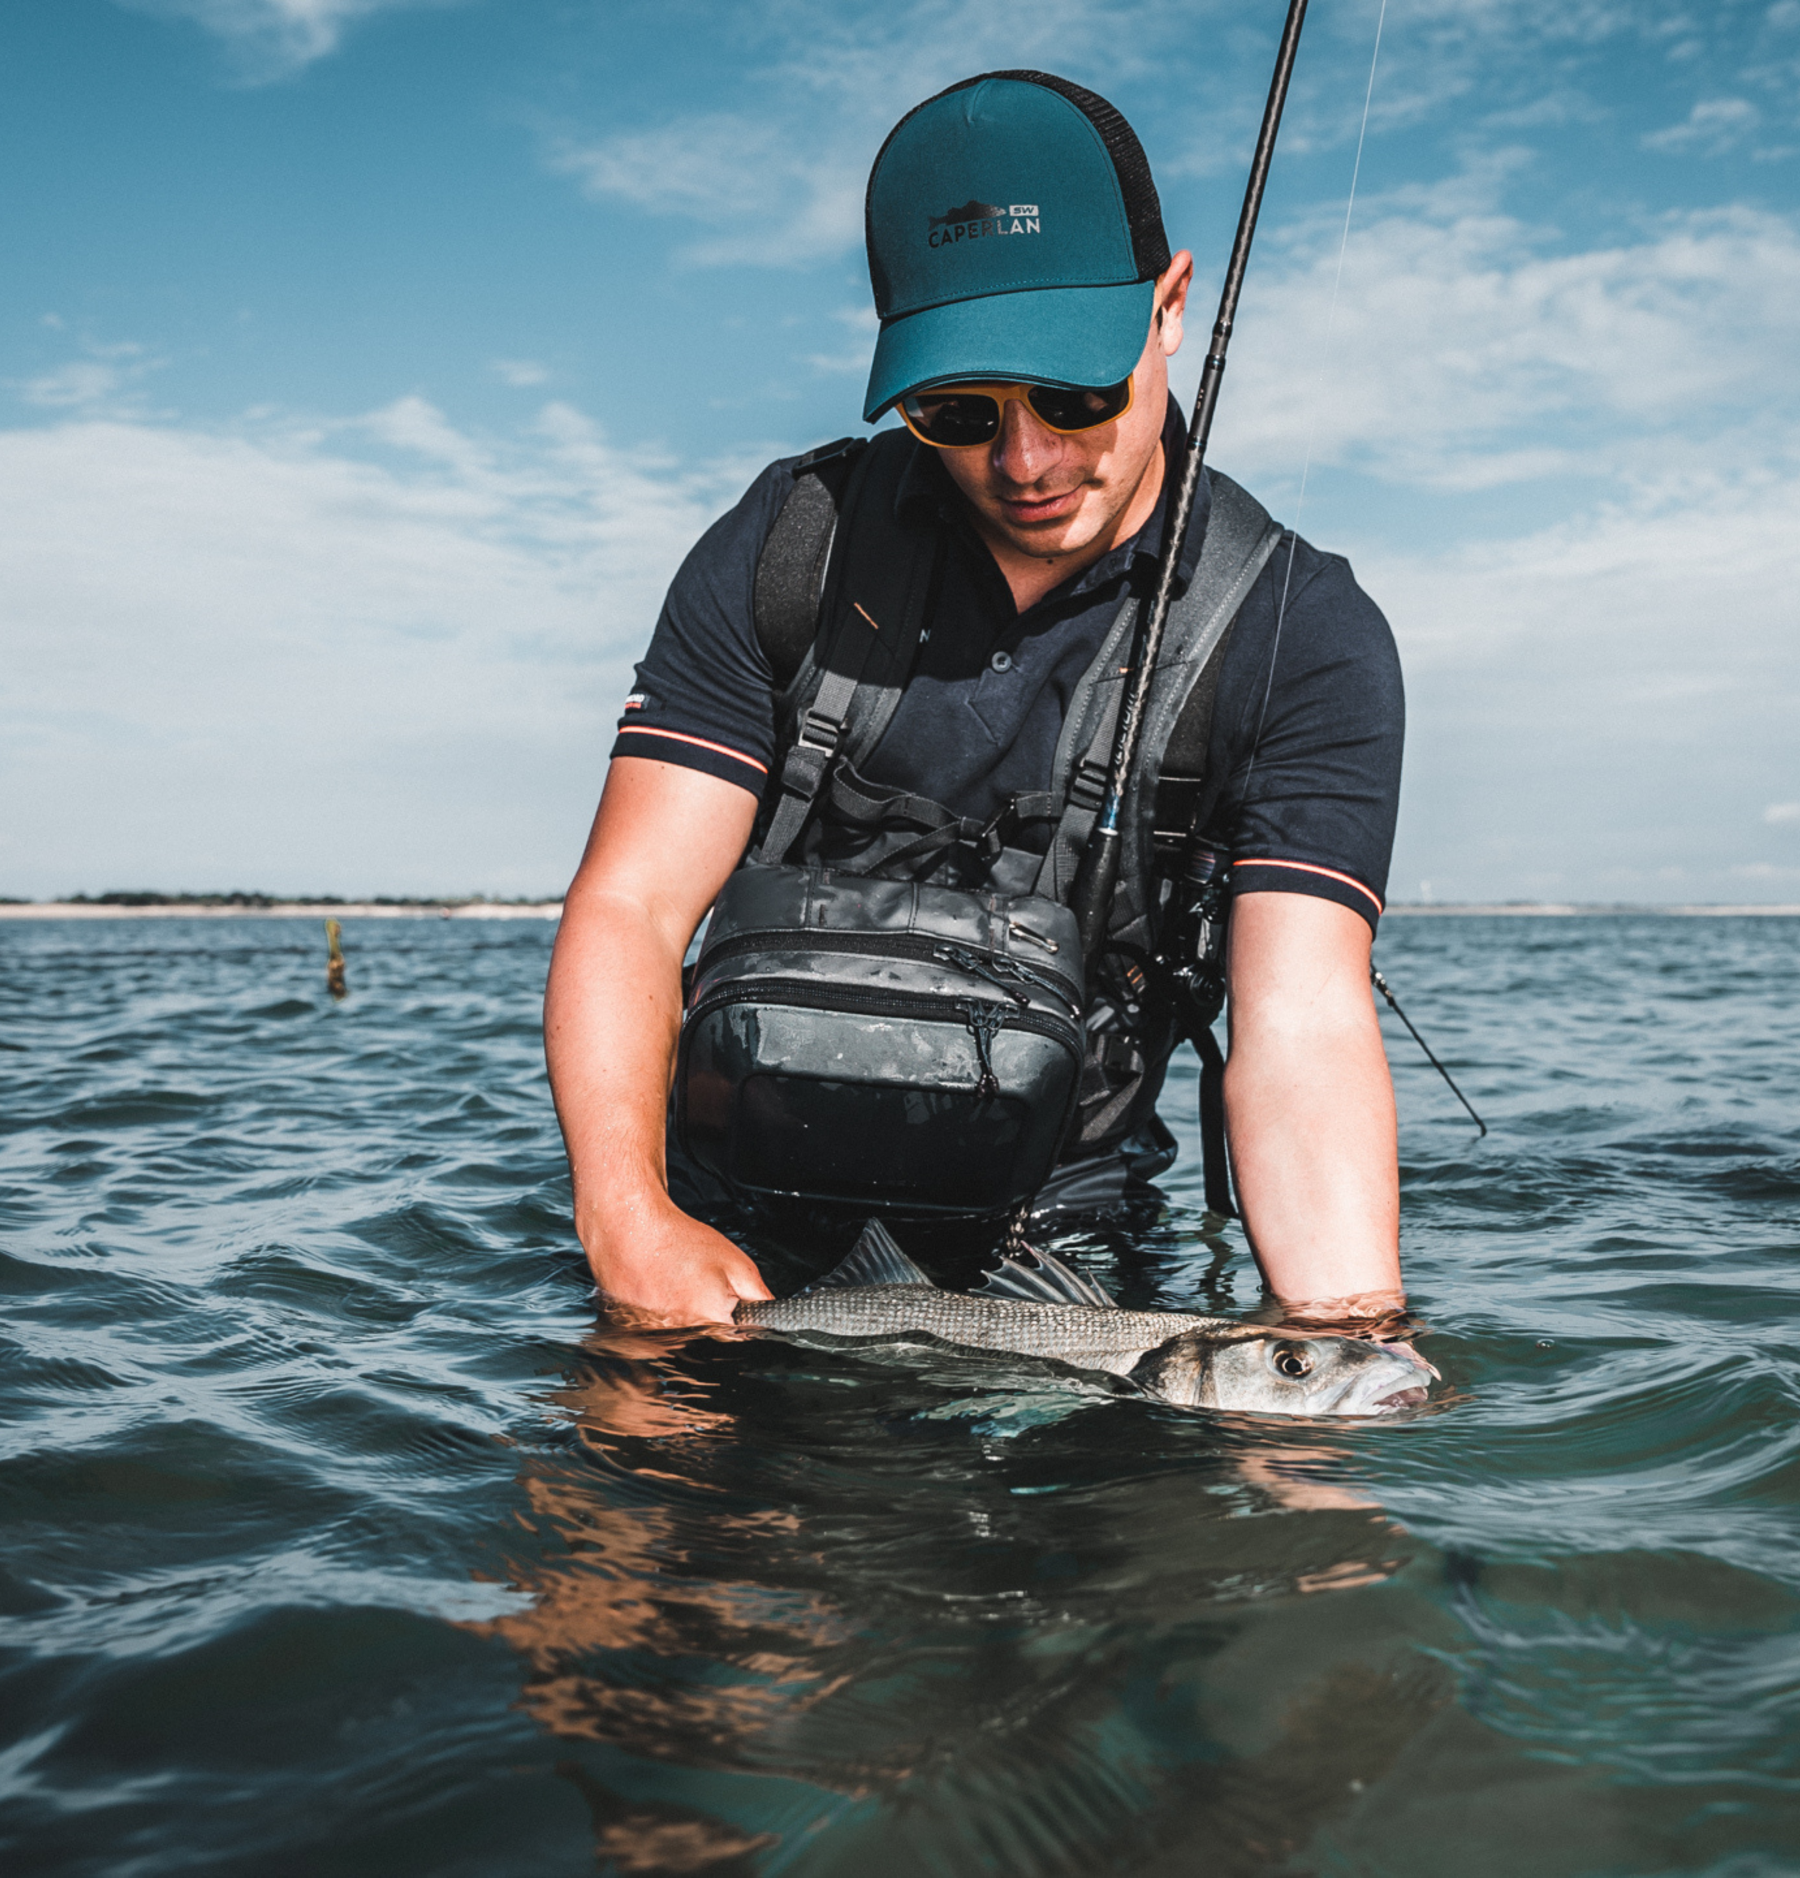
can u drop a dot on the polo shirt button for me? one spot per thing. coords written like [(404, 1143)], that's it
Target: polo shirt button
[(1001, 662)]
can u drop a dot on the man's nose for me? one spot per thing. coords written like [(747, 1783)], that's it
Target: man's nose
[(1026, 448)]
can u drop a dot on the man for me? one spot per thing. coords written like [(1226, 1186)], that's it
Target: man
[(1027, 292)]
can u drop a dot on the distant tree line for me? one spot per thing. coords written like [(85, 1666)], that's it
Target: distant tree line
[(144, 897)]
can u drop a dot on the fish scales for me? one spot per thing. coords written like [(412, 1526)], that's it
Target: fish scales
[(1070, 1333)]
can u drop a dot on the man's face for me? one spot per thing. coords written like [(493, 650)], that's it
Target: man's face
[(1046, 494)]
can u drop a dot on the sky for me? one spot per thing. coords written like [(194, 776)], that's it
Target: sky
[(368, 366)]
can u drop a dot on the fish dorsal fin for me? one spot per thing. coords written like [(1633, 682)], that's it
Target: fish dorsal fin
[(874, 1260), (1042, 1280)]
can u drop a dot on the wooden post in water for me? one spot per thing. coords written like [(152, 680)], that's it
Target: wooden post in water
[(334, 960)]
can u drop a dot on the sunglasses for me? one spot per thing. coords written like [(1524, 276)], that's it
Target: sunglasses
[(957, 417)]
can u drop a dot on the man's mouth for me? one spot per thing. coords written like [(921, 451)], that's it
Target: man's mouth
[(1024, 510)]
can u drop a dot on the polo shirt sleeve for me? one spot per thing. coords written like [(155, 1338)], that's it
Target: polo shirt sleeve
[(1318, 721), (704, 695)]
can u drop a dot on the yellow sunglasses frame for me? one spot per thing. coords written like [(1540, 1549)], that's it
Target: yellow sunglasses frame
[(1003, 395)]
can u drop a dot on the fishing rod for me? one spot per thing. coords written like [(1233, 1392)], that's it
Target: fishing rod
[(1381, 985), (1098, 874)]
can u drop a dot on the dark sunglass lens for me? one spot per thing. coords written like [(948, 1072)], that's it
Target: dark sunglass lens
[(954, 419), (1081, 409)]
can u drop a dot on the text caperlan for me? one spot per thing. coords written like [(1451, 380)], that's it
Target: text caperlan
[(974, 220)]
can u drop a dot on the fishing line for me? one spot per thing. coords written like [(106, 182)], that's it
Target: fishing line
[(1312, 434), (1381, 985)]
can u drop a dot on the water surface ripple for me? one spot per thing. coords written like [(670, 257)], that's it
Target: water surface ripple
[(342, 1535)]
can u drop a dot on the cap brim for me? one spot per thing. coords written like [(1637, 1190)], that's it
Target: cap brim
[(1051, 336)]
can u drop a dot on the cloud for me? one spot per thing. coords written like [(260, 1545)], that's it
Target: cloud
[(105, 381), (81, 381), (1596, 707), (776, 199), (272, 39), (1712, 127), (521, 373), (1465, 352), (367, 653), (1781, 814)]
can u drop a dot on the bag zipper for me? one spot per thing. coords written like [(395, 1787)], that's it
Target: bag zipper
[(920, 946), (984, 1018)]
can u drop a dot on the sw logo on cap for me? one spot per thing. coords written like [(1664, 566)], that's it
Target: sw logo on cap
[(976, 219)]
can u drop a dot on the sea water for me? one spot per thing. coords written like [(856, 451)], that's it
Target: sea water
[(339, 1533)]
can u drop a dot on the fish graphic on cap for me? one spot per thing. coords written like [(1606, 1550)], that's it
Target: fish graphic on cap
[(969, 212)]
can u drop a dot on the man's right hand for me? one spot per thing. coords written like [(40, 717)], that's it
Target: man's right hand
[(662, 1264)]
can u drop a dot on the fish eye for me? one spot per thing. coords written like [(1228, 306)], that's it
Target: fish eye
[(1292, 1360)]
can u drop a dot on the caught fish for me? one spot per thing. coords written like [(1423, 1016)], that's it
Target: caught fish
[(1047, 1310)]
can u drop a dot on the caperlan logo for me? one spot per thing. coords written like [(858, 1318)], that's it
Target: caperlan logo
[(975, 220)]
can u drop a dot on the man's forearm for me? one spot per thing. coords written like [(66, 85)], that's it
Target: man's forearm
[(612, 1010), (1310, 1105)]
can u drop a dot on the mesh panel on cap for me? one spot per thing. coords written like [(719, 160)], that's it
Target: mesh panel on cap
[(1143, 208)]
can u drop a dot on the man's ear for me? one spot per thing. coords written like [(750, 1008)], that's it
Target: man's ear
[(1171, 301)]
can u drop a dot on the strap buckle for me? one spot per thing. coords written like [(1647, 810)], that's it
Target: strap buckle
[(819, 730), (1087, 787)]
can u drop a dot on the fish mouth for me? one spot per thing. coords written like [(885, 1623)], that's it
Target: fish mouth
[(1406, 1383)]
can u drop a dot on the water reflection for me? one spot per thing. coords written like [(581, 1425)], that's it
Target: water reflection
[(636, 1835), (965, 1615), (624, 1591)]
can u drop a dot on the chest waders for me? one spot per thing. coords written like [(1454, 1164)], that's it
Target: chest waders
[(891, 1007)]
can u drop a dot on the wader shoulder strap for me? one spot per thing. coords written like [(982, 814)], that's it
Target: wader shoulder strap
[(1240, 538), (790, 572), (1084, 753), (876, 596), (1187, 791)]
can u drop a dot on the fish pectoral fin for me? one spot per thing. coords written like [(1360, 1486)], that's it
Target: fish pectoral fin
[(1038, 1278), (875, 1259)]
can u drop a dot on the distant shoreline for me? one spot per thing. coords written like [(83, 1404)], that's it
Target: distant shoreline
[(552, 909), (283, 909), (1590, 909)]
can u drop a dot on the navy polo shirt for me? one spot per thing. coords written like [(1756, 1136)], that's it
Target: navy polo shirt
[(1309, 718)]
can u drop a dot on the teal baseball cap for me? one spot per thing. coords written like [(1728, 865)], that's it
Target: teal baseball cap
[(1014, 235)]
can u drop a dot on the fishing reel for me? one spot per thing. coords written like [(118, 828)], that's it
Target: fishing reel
[(1193, 955)]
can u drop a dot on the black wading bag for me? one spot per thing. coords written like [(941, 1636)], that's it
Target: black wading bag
[(881, 1042)]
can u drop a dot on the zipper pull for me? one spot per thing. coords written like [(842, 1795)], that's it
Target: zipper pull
[(984, 1021), (977, 967), (1036, 938)]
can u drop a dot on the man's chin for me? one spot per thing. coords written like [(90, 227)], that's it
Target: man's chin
[(1054, 536)]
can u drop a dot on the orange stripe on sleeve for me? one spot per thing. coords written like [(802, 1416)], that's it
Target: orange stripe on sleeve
[(1328, 873), (699, 743)]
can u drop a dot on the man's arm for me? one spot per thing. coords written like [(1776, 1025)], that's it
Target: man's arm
[(664, 842), (1309, 1105)]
